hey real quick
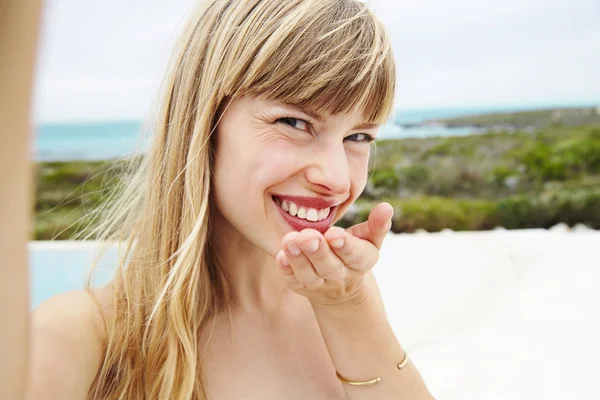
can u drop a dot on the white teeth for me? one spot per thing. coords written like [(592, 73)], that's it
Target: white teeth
[(309, 214), (293, 209), (322, 214), (302, 213), (312, 215)]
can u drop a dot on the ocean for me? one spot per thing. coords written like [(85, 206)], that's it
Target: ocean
[(109, 140)]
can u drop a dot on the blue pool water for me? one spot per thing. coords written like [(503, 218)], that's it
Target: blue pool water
[(57, 268)]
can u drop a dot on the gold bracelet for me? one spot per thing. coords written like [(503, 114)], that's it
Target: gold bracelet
[(371, 381)]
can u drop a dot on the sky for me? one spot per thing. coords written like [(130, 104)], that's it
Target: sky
[(104, 60)]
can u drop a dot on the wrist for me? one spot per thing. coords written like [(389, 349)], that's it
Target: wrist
[(349, 304)]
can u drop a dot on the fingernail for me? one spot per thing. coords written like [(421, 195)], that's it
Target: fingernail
[(311, 245), (337, 243), (293, 249), (284, 261)]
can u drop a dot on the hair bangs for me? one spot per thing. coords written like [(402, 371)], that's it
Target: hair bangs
[(338, 63)]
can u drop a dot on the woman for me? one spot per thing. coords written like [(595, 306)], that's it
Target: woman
[(233, 284)]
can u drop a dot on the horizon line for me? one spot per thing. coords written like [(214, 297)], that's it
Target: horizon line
[(486, 107)]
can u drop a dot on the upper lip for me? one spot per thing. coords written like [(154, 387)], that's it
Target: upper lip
[(318, 203)]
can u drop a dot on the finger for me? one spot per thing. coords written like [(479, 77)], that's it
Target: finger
[(356, 254), (300, 264), (285, 268), (324, 261), (376, 226)]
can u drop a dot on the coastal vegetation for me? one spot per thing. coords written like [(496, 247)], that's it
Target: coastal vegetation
[(533, 119), (514, 180), (531, 178)]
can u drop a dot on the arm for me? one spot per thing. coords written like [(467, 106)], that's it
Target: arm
[(333, 271), (363, 346), (57, 353), (19, 25)]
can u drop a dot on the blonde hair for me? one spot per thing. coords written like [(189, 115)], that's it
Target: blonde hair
[(326, 55)]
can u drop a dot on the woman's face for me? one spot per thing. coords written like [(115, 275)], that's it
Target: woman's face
[(279, 169)]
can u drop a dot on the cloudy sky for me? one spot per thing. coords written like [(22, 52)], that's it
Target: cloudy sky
[(104, 60)]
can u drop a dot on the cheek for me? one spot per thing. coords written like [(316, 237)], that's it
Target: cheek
[(359, 169), (253, 166), (273, 163)]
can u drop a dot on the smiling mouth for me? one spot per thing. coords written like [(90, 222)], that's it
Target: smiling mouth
[(303, 213)]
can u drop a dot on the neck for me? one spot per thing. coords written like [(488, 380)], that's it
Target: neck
[(255, 282)]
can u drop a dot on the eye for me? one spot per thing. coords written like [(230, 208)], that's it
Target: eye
[(295, 123), (360, 137)]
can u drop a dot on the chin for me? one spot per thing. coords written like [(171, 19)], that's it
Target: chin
[(273, 248)]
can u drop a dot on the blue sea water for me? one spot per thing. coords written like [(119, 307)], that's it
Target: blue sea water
[(86, 140), (110, 140)]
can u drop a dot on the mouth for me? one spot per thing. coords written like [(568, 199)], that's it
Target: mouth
[(306, 213)]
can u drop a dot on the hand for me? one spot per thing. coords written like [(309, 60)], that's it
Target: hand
[(329, 268)]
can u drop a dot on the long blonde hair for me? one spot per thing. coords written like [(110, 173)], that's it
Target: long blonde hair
[(327, 55)]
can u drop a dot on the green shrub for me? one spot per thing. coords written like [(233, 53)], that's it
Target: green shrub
[(453, 180), (431, 213), (537, 160), (565, 159), (66, 193), (60, 224), (386, 179), (413, 176), (434, 214), (580, 155), (501, 173), (359, 212), (444, 148), (548, 209), (594, 133), (515, 212)]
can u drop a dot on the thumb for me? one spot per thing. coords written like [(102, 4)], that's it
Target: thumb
[(376, 226)]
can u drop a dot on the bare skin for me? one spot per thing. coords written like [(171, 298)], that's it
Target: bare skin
[(282, 356), (285, 340), (66, 331), (19, 27), (268, 354), (277, 348)]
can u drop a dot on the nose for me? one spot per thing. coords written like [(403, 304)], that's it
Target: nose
[(330, 170)]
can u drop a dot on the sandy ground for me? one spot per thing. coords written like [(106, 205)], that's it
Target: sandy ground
[(498, 315), (484, 315)]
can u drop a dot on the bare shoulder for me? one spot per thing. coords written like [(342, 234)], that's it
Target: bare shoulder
[(67, 339)]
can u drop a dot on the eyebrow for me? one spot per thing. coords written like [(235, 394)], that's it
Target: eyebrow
[(319, 118), (366, 126)]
